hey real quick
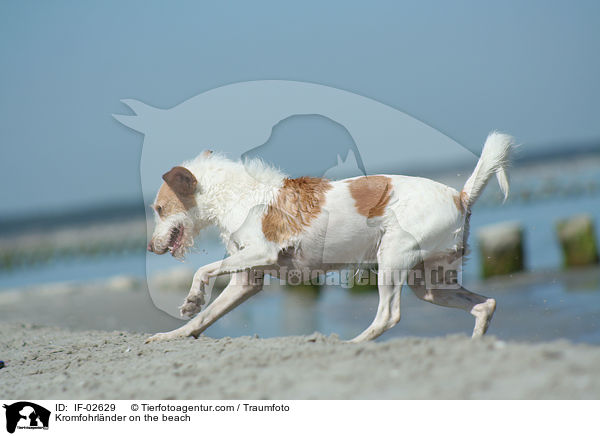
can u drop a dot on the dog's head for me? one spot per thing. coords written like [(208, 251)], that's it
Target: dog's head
[(175, 210)]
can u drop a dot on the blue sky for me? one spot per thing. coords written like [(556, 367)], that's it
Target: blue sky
[(465, 68)]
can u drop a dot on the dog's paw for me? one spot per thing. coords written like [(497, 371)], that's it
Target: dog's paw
[(483, 313), (192, 305), (161, 337)]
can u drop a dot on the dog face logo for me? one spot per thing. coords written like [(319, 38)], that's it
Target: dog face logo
[(26, 415), (306, 129)]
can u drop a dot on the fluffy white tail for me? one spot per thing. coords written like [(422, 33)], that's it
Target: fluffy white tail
[(494, 159)]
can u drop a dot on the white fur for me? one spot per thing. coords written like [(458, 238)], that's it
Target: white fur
[(494, 159), (229, 191), (423, 227), (162, 231)]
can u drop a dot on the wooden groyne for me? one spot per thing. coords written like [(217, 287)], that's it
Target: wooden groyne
[(578, 241), (122, 228), (35, 240), (501, 245), (93, 240), (501, 249)]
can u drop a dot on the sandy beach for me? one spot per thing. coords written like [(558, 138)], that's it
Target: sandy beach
[(47, 362), (76, 341)]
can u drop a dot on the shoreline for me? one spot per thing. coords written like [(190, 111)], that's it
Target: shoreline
[(78, 340)]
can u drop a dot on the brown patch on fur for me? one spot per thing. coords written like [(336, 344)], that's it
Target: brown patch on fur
[(168, 202), (298, 202), (464, 199), (181, 180), (458, 203), (461, 201), (371, 194)]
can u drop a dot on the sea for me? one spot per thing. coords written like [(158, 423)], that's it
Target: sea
[(545, 302)]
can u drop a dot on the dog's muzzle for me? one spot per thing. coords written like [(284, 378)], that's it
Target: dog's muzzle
[(152, 248)]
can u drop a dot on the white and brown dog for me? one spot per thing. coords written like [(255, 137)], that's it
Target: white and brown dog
[(268, 221)]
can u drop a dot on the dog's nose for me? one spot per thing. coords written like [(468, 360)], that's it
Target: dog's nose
[(150, 246)]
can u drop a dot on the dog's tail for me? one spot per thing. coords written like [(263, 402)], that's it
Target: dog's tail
[(494, 159)]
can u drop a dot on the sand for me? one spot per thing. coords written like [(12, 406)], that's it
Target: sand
[(57, 343), (53, 363)]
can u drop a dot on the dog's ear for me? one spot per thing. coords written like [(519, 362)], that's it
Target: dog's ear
[(181, 181)]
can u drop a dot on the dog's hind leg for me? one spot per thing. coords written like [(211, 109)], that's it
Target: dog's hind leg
[(482, 308), (241, 287), (394, 261), (388, 311)]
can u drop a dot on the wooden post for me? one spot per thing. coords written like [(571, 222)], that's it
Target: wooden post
[(578, 241), (501, 249)]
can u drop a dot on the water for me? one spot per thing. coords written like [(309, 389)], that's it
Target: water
[(74, 270), (542, 250), (540, 306)]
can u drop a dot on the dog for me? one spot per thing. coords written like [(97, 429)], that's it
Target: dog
[(404, 226)]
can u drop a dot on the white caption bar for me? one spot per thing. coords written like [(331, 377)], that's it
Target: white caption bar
[(72, 417)]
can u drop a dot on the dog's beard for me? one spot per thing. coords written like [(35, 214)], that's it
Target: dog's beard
[(186, 232), (176, 235)]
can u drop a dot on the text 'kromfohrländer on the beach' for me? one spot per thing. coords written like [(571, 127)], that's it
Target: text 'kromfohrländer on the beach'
[(153, 412)]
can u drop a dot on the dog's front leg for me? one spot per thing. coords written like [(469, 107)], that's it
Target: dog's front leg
[(242, 260), (247, 258), (241, 287), (197, 297)]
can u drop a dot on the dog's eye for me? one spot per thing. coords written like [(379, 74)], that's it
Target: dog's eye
[(158, 209)]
